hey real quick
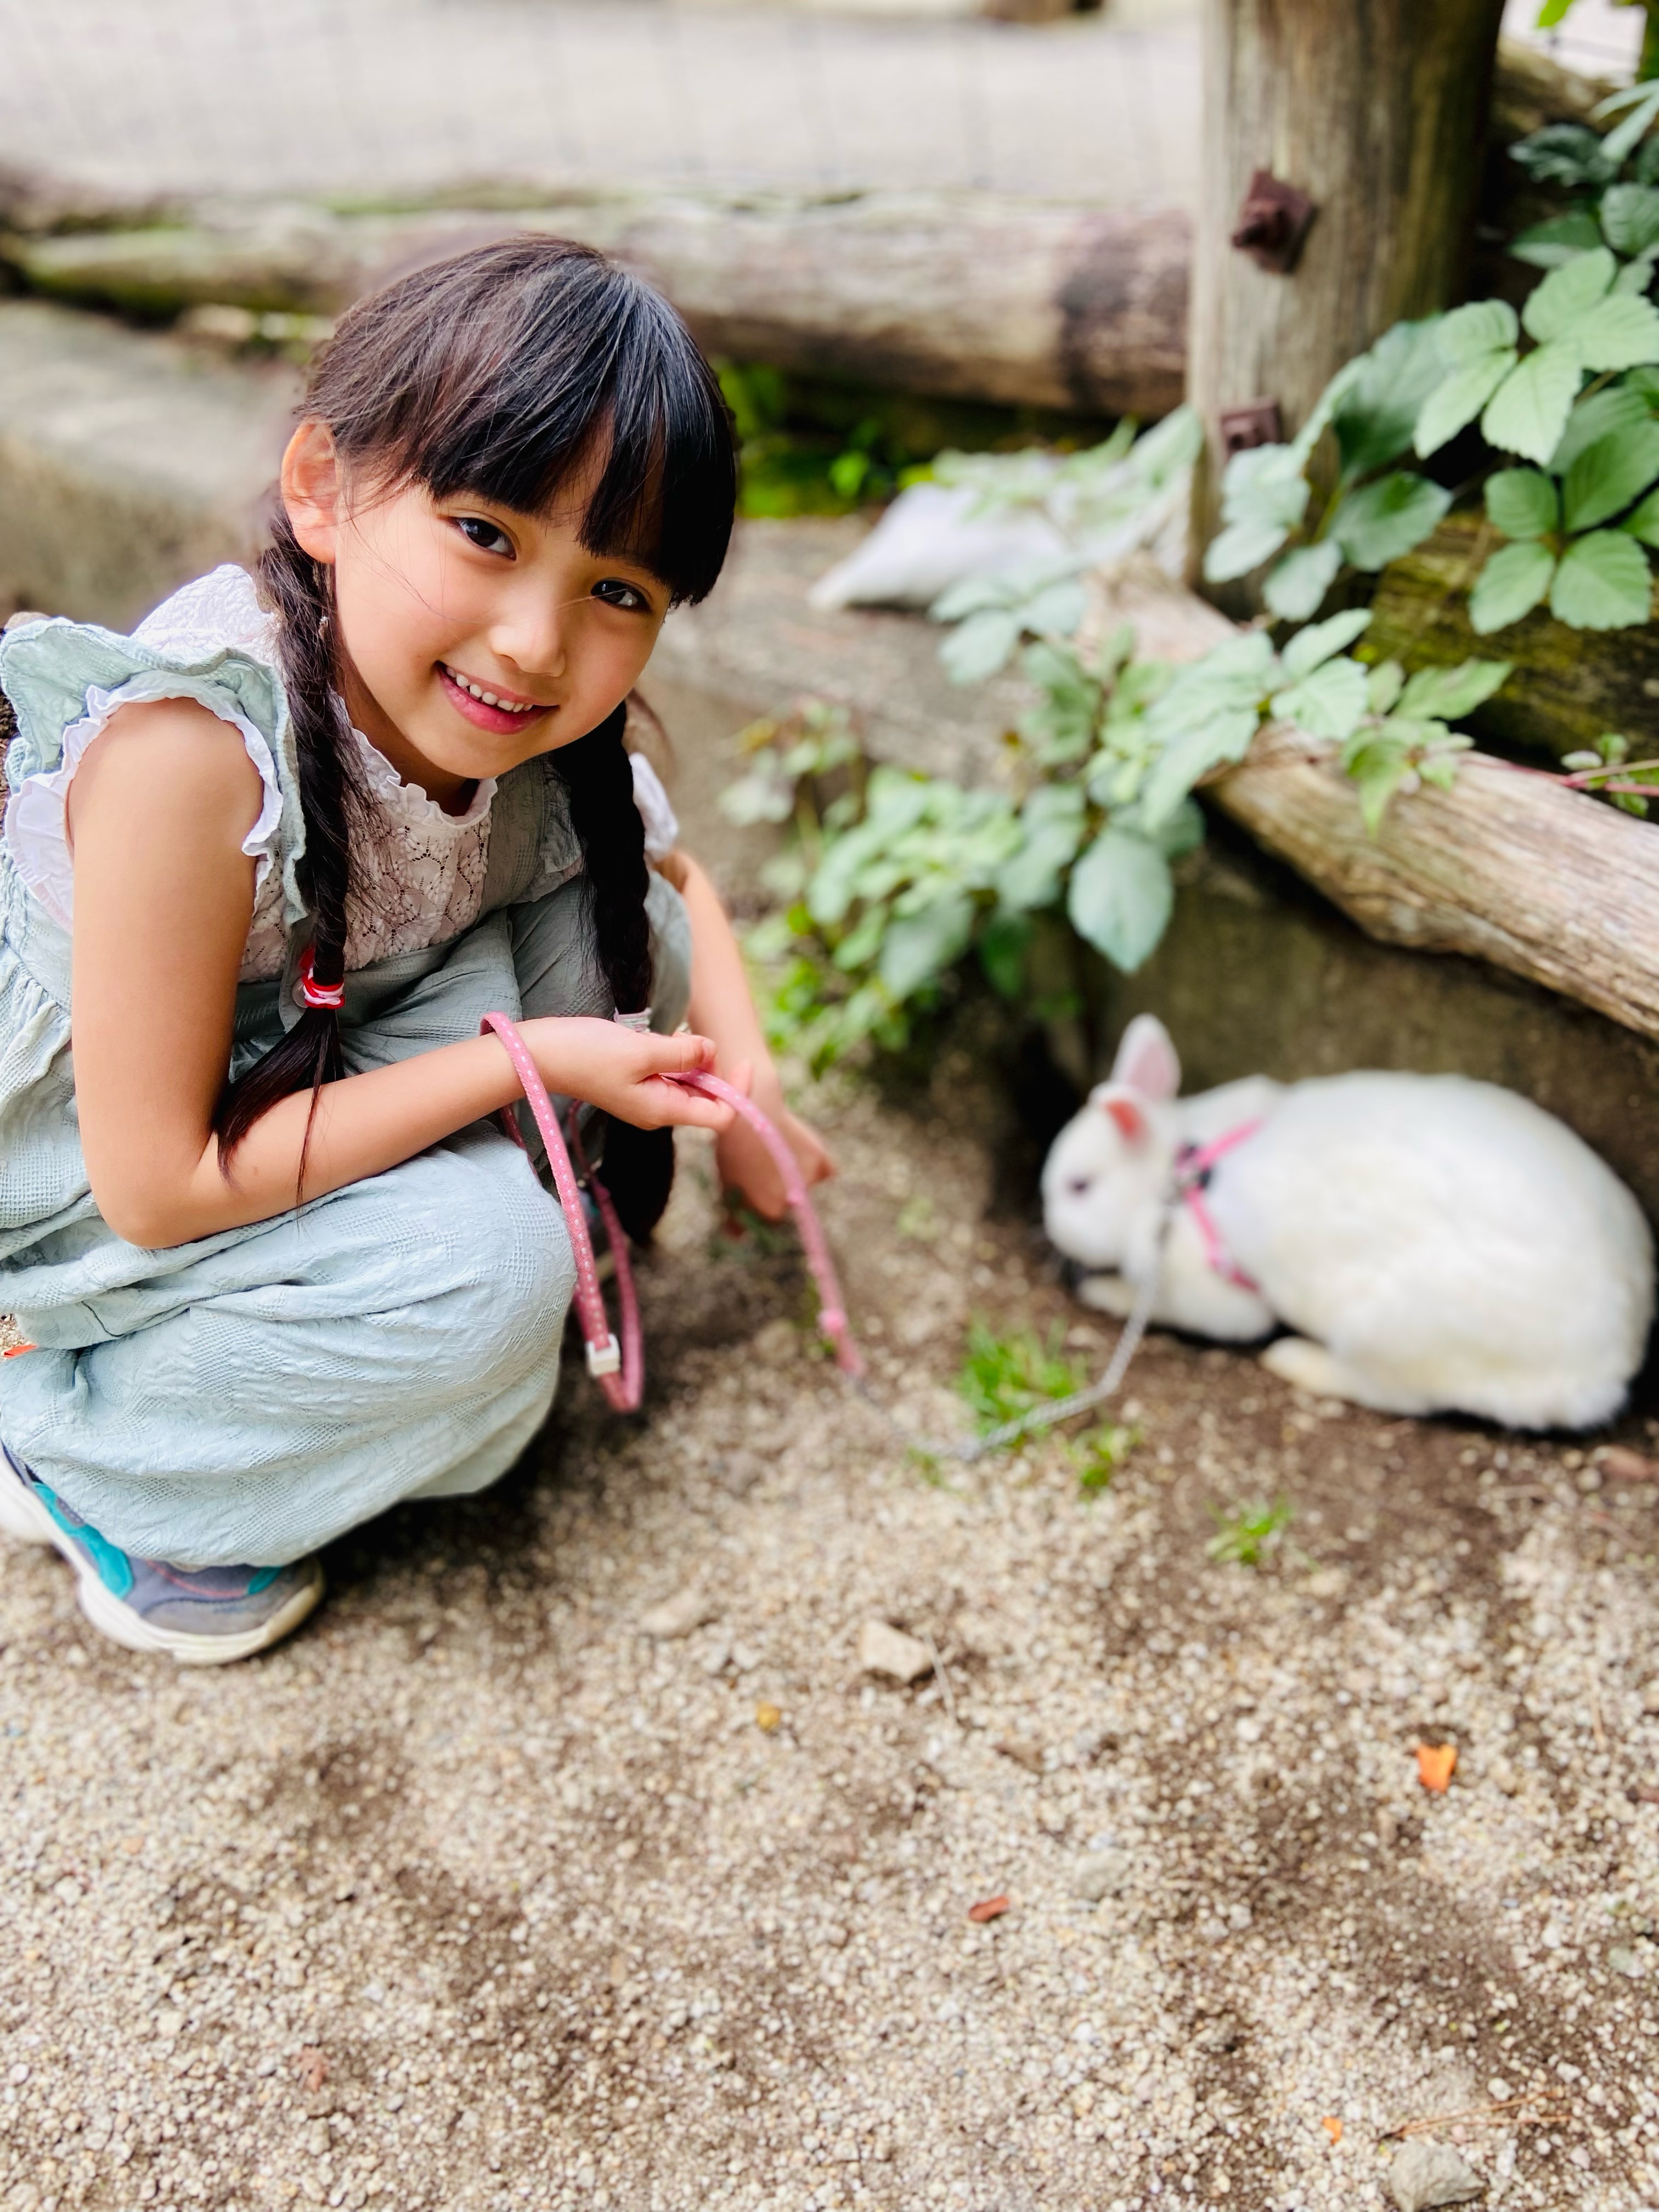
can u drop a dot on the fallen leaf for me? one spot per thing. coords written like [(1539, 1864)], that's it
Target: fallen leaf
[(1435, 1764), (1625, 1465), (990, 1908), (1643, 1793), (1333, 2128), (313, 2069), (768, 1717), (1022, 1751)]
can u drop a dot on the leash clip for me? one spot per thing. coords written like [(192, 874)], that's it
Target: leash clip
[(605, 1358)]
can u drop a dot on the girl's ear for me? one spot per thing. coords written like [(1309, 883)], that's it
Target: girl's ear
[(1147, 1059), (312, 490), (1123, 1106)]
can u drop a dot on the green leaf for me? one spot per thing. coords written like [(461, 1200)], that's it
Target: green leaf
[(1564, 153), (1607, 476), (922, 946), (1446, 694), (1055, 611), (1617, 408), (1320, 641), (1484, 326), (1522, 503), (1329, 702), (1527, 412), (1644, 523), (1630, 218), (1051, 824), (1002, 947), (1374, 413), (1388, 680), (1640, 104), (1061, 726), (1636, 276), (1562, 239), (1513, 581), (1457, 401), (1190, 753), (1122, 897), (1556, 308), (1385, 520), (1378, 767), (979, 647), (1620, 333), (1296, 584), (1603, 583), (1263, 497)]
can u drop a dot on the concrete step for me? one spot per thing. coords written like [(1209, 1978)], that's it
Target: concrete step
[(129, 462)]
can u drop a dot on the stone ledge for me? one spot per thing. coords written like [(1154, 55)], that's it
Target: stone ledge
[(128, 463)]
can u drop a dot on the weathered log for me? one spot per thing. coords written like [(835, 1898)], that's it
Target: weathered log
[(1568, 685), (1506, 866), (1023, 303), (1377, 111)]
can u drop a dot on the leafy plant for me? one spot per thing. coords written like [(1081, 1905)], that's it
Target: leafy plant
[(1003, 1377), (1606, 772), (1100, 1453), (1372, 512), (1247, 1534), (1095, 505)]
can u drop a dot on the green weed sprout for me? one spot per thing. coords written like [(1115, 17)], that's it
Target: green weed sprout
[(1245, 1534)]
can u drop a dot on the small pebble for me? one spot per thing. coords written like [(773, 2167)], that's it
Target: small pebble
[(883, 1650), (1424, 2175), (1101, 1874), (678, 1616)]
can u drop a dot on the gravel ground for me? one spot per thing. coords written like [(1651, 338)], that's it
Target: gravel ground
[(479, 1895)]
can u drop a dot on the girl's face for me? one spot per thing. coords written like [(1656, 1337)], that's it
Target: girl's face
[(472, 637)]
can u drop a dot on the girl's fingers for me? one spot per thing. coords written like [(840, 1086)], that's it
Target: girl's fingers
[(664, 1102), (679, 1055)]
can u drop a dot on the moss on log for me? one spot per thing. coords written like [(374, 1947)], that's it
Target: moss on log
[(1568, 685)]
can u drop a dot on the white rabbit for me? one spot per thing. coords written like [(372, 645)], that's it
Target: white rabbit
[(1438, 1243)]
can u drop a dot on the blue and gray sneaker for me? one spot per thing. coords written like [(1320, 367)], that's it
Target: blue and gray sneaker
[(202, 1618)]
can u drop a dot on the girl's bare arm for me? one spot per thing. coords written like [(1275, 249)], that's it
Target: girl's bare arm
[(163, 896)]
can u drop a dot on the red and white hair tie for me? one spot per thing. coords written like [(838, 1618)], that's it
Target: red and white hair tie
[(314, 993)]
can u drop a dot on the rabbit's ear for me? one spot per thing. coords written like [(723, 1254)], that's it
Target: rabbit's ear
[(1147, 1059), (1125, 1107)]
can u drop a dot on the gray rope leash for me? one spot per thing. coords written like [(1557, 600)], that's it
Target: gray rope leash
[(965, 1452)]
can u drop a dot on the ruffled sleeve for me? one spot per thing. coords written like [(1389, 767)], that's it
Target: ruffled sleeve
[(65, 680), (662, 828)]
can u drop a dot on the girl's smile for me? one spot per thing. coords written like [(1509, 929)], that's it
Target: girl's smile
[(504, 712)]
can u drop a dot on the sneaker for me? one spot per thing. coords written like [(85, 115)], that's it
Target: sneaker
[(202, 1618)]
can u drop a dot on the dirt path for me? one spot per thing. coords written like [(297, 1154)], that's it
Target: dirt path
[(477, 1896)]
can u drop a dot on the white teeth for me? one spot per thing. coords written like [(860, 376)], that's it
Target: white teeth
[(487, 698)]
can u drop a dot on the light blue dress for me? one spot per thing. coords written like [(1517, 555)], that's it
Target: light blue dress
[(249, 1396)]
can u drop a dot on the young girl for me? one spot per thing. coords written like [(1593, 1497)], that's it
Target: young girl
[(276, 853)]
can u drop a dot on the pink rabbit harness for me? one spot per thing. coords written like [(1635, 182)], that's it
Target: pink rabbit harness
[(1194, 1165)]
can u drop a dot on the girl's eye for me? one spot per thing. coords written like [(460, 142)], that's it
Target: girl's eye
[(488, 536), (615, 593)]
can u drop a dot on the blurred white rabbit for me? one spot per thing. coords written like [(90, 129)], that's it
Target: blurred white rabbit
[(1438, 1243)]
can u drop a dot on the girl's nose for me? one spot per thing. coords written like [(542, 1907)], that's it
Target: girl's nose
[(533, 637)]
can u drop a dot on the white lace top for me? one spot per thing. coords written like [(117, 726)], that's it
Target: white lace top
[(418, 873)]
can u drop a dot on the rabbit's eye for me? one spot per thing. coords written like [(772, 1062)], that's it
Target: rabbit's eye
[(1081, 1185)]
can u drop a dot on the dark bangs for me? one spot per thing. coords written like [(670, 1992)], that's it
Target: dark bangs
[(507, 371)]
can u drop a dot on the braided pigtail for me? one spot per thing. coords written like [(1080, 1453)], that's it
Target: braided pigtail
[(599, 778), (296, 588)]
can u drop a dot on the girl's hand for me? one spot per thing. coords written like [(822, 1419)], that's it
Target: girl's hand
[(622, 1071), (746, 1165)]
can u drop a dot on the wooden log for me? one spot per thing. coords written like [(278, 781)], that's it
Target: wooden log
[(1022, 303), (1377, 110), (1507, 865), (1568, 685)]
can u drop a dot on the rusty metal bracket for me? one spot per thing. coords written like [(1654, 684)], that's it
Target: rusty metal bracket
[(1259, 423), (1273, 222)]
